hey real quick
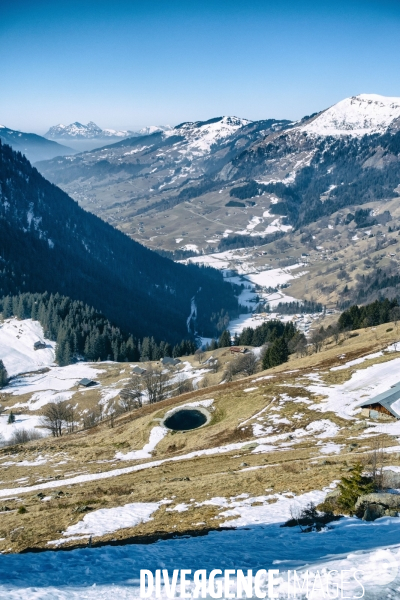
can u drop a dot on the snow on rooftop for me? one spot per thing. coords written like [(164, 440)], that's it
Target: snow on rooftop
[(356, 116), (345, 399)]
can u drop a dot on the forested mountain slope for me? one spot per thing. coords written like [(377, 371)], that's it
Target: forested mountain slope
[(48, 243), (348, 154)]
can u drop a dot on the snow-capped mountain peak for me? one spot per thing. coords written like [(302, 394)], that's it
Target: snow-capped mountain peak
[(356, 116), (79, 131), (150, 129), (201, 135)]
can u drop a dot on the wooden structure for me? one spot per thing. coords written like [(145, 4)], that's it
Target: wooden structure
[(167, 360), (237, 350), (138, 370), (39, 345), (87, 382), (383, 406)]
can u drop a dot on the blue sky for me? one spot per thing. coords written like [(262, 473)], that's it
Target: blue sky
[(126, 64)]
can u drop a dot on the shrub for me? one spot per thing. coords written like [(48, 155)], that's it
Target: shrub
[(22, 510), (22, 436), (310, 519), (352, 487)]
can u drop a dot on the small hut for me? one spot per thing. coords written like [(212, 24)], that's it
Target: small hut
[(384, 406), (87, 382), (237, 350), (138, 370), (167, 360), (39, 345)]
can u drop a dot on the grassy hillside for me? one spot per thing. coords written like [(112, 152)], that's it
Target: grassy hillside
[(289, 430)]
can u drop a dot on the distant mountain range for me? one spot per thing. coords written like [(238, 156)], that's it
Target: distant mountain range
[(35, 147), (79, 131), (345, 154), (90, 136), (164, 160), (48, 243)]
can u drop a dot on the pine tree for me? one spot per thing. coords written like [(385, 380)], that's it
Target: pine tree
[(145, 350), (213, 345), (354, 486), (7, 307), (277, 354), (11, 418), (3, 375), (225, 339)]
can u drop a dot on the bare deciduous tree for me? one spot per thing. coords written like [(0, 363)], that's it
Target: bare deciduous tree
[(184, 385), (336, 332), (394, 315), (317, 339), (246, 363), (130, 397), (155, 384), (55, 416), (22, 436), (92, 417), (199, 355)]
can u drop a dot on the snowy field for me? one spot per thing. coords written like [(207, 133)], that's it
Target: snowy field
[(16, 346), (57, 382), (25, 421), (237, 268), (112, 572), (275, 277)]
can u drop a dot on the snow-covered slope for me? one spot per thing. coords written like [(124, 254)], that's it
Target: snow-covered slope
[(201, 135), (16, 346), (356, 116), (153, 129), (79, 131)]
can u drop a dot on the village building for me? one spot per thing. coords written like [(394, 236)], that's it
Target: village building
[(138, 370), (384, 406), (167, 360), (87, 382), (39, 345), (237, 350)]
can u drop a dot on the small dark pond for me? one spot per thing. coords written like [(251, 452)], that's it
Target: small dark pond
[(185, 419)]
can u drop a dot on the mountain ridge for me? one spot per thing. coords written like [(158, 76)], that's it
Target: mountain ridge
[(176, 186), (51, 244), (35, 147), (77, 130)]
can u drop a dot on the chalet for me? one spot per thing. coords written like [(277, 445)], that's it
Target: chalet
[(167, 360), (237, 350), (138, 370), (87, 382), (39, 345), (384, 406)]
